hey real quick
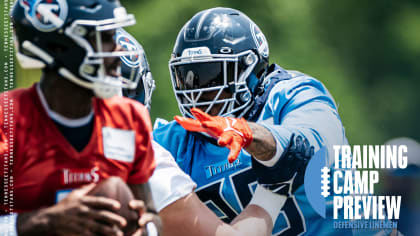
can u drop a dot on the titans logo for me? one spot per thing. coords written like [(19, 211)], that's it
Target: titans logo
[(45, 15)]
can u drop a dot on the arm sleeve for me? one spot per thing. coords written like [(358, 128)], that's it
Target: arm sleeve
[(303, 106), (144, 163), (168, 182)]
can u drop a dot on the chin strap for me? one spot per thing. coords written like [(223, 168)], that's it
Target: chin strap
[(32, 48)]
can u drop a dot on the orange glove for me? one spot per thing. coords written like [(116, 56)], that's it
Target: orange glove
[(231, 132)]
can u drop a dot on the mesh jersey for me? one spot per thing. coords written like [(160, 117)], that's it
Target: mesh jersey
[(38, 163)]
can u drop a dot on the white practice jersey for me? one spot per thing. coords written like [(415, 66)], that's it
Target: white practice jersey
[(168, 182)]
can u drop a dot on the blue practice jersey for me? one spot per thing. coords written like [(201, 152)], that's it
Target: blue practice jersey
[(296, 104)]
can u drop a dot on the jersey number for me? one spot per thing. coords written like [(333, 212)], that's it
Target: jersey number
[(212, 194)]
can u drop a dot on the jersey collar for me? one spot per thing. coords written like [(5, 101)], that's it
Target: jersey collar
[(59, 118)]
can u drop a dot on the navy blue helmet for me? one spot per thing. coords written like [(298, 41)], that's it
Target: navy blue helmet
[(141, 69), (218, 49), (68, 36)]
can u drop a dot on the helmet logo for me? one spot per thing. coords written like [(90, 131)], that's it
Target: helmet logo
[(259, 40), (45, 15), (199, 51), (128, 43)]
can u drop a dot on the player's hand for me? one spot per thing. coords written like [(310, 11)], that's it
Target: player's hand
[(77, 214), (231, 132), (149, 222)]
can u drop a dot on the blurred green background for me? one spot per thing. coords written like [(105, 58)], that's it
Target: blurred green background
[(367, 53)]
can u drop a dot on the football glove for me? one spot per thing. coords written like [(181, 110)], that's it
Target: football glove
[(231, 132)]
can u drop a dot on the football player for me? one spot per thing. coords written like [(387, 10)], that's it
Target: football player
[(181, 211), (69, 129), (230, 96)]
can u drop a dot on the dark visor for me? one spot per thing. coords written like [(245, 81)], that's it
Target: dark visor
[(202, 75)]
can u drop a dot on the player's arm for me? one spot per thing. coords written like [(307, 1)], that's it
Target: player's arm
[(304, 108), (236, 134), (301, 117), (263, 146), (189, 216), (182, 212)]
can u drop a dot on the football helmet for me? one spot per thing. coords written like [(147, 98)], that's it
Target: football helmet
[(218, 49), (68, 36), (146, 85)]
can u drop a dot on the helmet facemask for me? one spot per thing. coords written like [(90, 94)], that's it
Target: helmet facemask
[(196, 77), (93, 69)]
